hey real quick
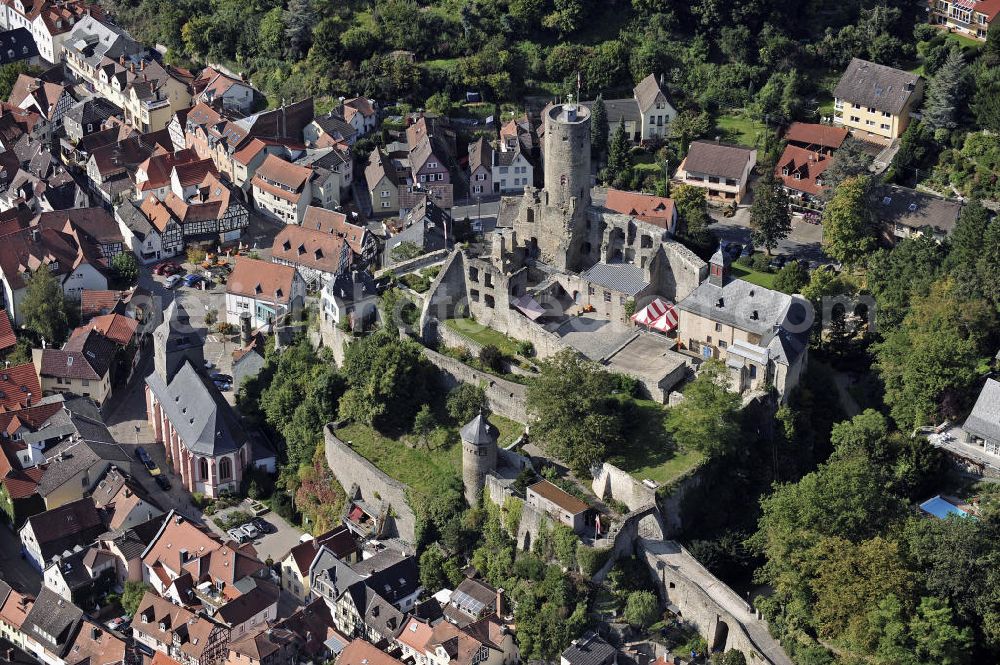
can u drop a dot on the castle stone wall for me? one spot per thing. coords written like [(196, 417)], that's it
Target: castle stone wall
[(617, 484), (505, 398), (374, 486)]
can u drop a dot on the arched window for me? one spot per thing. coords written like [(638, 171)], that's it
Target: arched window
[(225, 469), (203, 468)]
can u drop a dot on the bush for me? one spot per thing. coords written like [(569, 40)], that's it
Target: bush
[(465, 401), (591, 559), (211, 317), (491, 357), (195, 255), (281, 503), (760, 262), (232, 520), (526, 349), (642, 609)]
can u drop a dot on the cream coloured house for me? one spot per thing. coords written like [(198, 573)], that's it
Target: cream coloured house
[(876, 100), (761, 334)]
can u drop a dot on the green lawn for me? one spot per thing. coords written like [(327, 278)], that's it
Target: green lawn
[(649, 452), (765, 279), (963, 41), (484, 335), (424, 468), (736, 128)]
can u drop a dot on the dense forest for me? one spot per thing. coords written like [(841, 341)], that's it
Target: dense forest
[(715, 55)]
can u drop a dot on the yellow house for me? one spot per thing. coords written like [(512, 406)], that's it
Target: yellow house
[(295, 565), (154, 96), (876, 100), (81, 367)]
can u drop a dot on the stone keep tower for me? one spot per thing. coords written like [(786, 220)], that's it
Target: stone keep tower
[(553, 222), (479, 456)]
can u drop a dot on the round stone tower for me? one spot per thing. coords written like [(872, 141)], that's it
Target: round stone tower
[(567, 154), (479, 456)]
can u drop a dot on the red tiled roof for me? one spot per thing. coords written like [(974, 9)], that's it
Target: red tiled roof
[(309, 247), (988, 7), (95, 302), (285, 173), (261, 279), (118, 328), (360, 652), (331, 221), (15, 384), (22, 484), (559, 497), (825, 136), (657, 210), (7, 336), (806, 164)]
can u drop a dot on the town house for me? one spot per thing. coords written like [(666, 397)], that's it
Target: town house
[(721, 169), (875, 100)]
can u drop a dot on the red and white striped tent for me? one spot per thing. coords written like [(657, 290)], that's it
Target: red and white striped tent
[(657, 315)]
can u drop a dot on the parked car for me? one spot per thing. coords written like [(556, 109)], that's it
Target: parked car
[(263, 525), (251, 531), (162, 481), (223, 386), (141, 454), (172, 281), (778, 262), (166, 268), (219, 376), (238, 535), (192, 279)]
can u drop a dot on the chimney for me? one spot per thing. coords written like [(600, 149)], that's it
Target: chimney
[(34, 234), (131, 68), (142, 64), (663, 80), (121, 59), (499, 608)]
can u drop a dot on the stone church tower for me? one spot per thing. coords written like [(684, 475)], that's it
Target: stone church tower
[(479, 456), (175, 341), (552, 222)]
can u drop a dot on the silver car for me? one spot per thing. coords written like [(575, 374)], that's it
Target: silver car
[(251, 532)]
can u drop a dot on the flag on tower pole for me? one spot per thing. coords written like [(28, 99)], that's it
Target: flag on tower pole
[(579, 83)]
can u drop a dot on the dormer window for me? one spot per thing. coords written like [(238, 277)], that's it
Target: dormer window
[(784, 170)]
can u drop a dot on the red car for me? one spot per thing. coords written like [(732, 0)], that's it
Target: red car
[(170, 268)]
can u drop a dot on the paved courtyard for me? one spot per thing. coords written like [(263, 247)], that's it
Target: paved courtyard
[(804, 241), (270, 545)]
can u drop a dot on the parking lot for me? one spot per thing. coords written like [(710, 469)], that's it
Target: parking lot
[(803, 242), (270, 545)]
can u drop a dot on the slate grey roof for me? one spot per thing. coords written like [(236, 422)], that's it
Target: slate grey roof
[(478, 431), (52, 621), (786, 347), (916, 210), (330, 572), (334, 125), (618, 110), (739, 304), (93, 111), (621, 277), (589, 650), (393, 576), (17, 45), (349, 287), (377, 612), (248, 604), (877, 86), (133, 542), (718, 159), (202, 418), (984, 421), (134, 220), (78, 457)]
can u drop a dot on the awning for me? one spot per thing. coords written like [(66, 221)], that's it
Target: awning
[(529, 307), (667, 322), (658, 315)]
